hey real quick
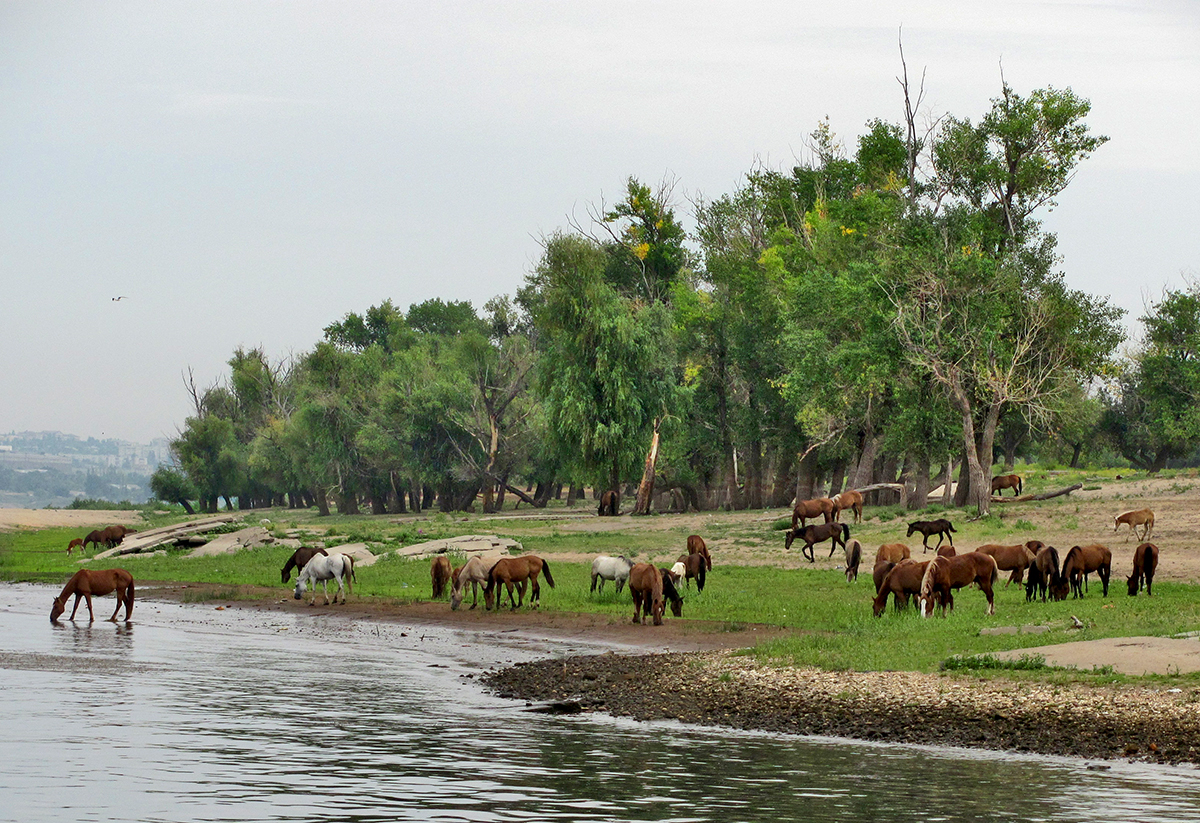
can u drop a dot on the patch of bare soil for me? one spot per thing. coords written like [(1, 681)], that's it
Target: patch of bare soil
[(12, 519)]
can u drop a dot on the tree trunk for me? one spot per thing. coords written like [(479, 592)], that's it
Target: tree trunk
[(920, 476), (806, 476), (862, 475), (187, 507), (947, 482), (1077, 448), (837, 478), (784, 485), (1160, 460), (645, 492), (322, 501), (964, 484)]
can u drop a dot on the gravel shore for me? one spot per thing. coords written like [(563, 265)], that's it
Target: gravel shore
[(724, 689)]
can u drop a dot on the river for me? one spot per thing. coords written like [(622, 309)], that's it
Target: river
[(191, 713)]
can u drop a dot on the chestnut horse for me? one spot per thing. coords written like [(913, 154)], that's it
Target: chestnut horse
[(648, 585), (942, 527), (1015, 559), (693, 566), (86, 582), (474, 572), (879, 573), (945, 574), (946, 551), (77, 543), (901, 581), (515, 571), (836, 533), (696, 545), (95, 537), (894, 552), (810, 509), (439, 574), (1145, 561), (849, 499), (854, 554), (1141, 517), (1007, 481), (1043, 575), (297, 561), (1082, 561)]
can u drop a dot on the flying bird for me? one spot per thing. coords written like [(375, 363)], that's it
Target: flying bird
[(115, 299)]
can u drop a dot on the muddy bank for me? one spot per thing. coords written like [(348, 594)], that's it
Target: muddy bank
[(903, 707)]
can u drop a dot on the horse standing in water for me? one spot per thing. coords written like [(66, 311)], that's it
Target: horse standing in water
[(86, 582), (339, 567)]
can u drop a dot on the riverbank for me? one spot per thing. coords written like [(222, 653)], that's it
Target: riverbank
[(722, 689)]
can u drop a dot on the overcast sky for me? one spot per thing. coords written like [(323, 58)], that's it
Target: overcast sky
[(246, 173)]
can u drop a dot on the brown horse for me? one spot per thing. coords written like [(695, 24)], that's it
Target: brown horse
[(894, 552), (439, 573), (901, 581), (836, 533), (810, 509), (298, 560), (113, 535), (511, 571), (879, 573), (77, 543), (1145, 561), (1007, 481), (849, 499), (610, 504), (854, 554), (696, 545), (946, 551), (1043, 575), (649, 585), (1015, 559), (86, 582), (945, 574), (1141, 517), (95, 537), (1082, 561), (693, 567), (942, 527)]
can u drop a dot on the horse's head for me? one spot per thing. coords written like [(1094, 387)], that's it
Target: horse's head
[(791, 535), (912, 529), (60, 606), (456, 593), (1132, 581), (299, 588), (677, 572), (285, 574)]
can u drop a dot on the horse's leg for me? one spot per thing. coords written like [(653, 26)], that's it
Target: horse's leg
[(535, 595), (637, 607), (91, 614), (120, 602), (1103, 571), (78, 597)]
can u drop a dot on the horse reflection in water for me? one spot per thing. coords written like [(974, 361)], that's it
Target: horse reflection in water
[(339, 567)]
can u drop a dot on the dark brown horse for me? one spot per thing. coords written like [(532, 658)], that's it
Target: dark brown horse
[(854, 554), (1043, 575), (96, 538), (1145, 561), (810, 509), (610, 504), (895, 552), (1082, 561), (693, 567), (879, 573), (1007, 481), (836, 533), (297, 561), (696, 545), (511, 571), (849, 499), (649, 585), (1015, 559), (439, 573), (942, 527), (86, 582), (902, 581), (113, 535), (945, 574)]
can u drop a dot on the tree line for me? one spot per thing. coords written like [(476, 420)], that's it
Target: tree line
[(890, 314)]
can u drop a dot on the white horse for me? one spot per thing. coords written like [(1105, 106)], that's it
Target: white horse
[(610, 568), (475, 573), (337, 567)]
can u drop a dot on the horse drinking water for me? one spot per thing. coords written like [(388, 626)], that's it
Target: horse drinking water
[(86, 582), (339, 567)]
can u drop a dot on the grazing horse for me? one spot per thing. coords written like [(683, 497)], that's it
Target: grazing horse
[(86, 582), (1015, 559), (338, 567), (1141, 517), (95, 537), (1007, 481), (836, 533), (610, 504), (439, 575), (1145, 561), (810, 509), (901, 581), (1043, 574), (945, 574), (1082, 561), (693, 567), (696, 545), (894, 552), (879, 573), (515, 571), (77, 543), (648, 585), (474, 572), (942, 527), (299, 557), (113, 535), (854, 554), (610, 568), (946, 551), (849, 499)]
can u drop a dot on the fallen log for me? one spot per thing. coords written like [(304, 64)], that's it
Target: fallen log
[(1043, 496)]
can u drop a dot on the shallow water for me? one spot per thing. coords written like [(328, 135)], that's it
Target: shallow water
[(194, 714)]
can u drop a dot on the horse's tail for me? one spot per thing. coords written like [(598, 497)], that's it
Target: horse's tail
[(546, 571), (950, 526), (995, 571), (348, 561), (845, 532)]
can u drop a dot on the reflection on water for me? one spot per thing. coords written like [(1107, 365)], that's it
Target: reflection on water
[(187, 714)]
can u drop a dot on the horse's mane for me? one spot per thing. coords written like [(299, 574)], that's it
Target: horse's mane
[(927, 580)]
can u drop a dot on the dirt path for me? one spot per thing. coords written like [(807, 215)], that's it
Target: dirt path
[(12, 519)]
